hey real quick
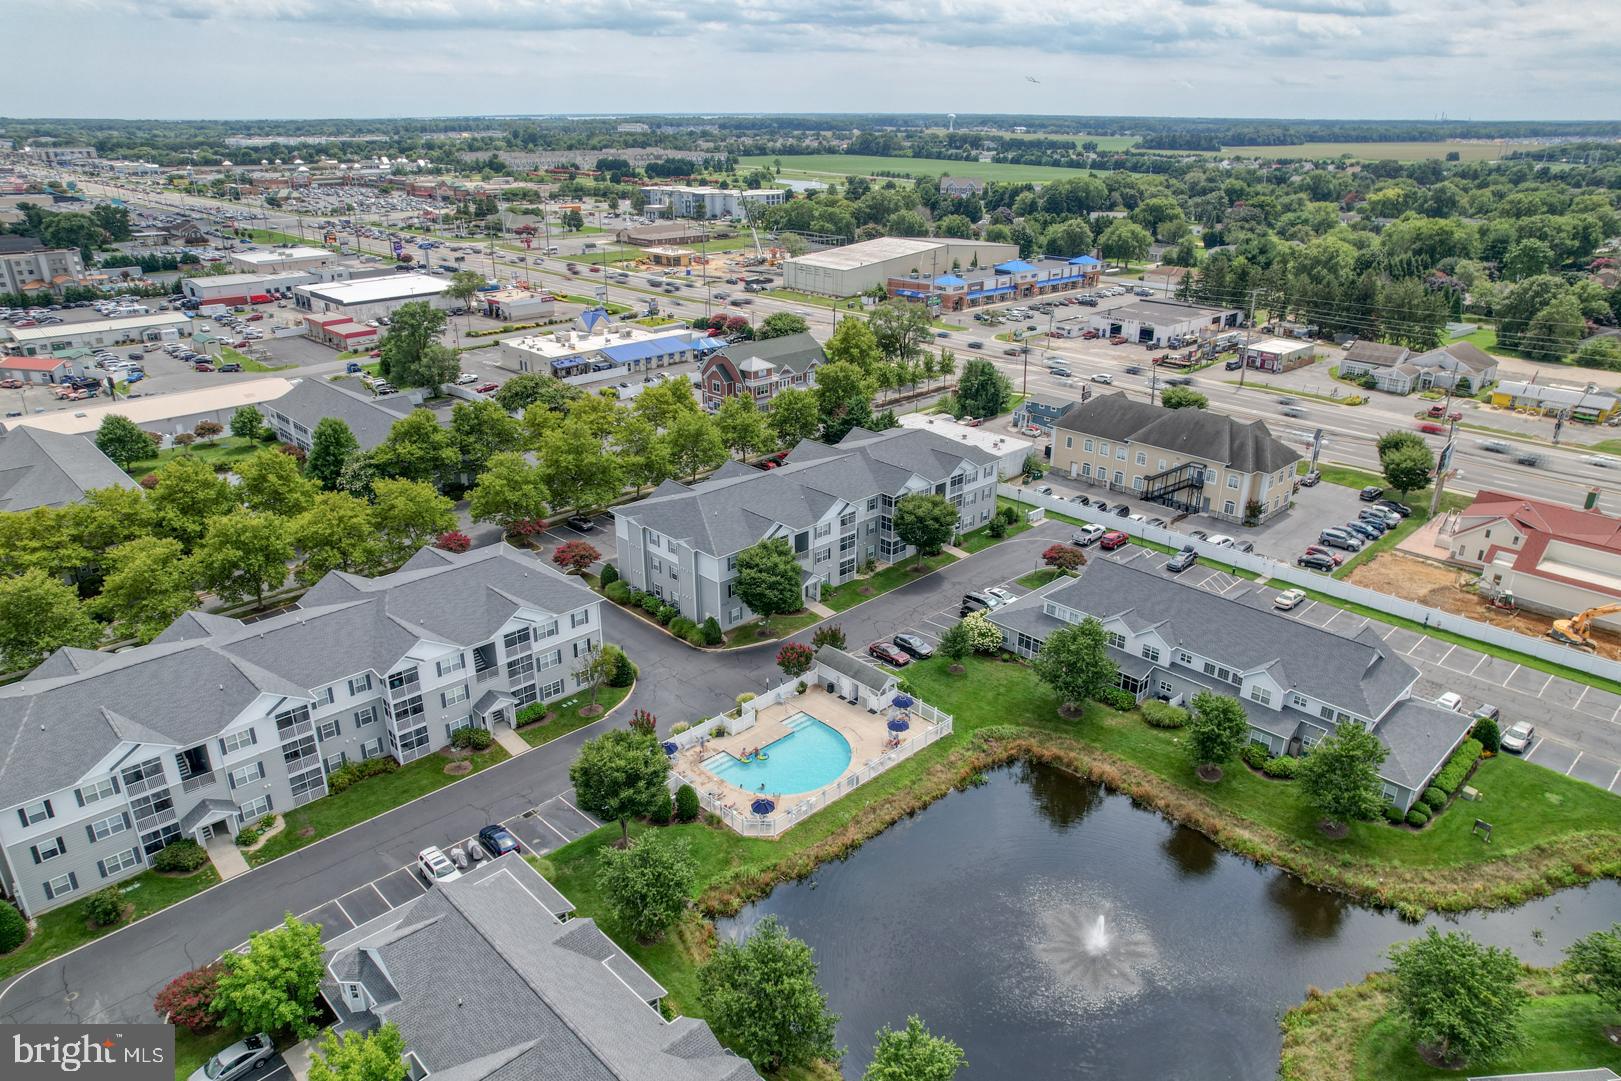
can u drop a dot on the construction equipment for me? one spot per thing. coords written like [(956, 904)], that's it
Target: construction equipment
[(1573, 631)]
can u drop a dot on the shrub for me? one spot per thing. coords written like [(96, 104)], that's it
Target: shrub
[(1434, 798), (471, 739), (1009, 514), (829, 634), (663, 810), (623, 672), (1458, 766), (800, 687), (686, 804), (1164, 715), (681, 626), (610, 575), (717, 732), (184, 855), (746, 696), (1282, 767), (453, 541), (712, 632), (650, 603), (1254, 755), (618, 592), (1488, 735), (679, 727), (532, 712), (637, 598), (795, 659), (350, 772), (188, 999), (695, 637), (1418, 815), (666, 614), (997, 528), (13, 928), (1117, 699), (105, 907), (247, 835), (1393, 814), (644, 722)]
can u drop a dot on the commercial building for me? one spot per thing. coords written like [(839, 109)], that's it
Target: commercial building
[(1277, 354), (1041, 413), (265, 287), (43, 370), (28, 266), (491, 977), (856, 268), (595, 343), (833, 504), (1158, 321), (124, 330), (760, 369), (371, 298), (62, 155), (1015, 279), (46, 469), (274, 260), (1398, 370), (1192, 460), (662, 233), (340, 332), (167, 414), (668, 257), (517, 305), (1296, 682), (1549, 557), (708, 203), (294, 415), (103, 770), (1587, 404)]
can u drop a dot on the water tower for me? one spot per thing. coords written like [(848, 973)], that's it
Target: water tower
[(951, 122)]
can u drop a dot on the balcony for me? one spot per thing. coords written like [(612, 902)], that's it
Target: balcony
[(144, 784), (296, 731), (486, 674), (200, 780), (144, 823)]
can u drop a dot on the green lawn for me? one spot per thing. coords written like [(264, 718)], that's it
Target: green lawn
[(825, 165), (805, 298), (191, 1051), (747, 634), (1272, 388), (849, 594), (248, 363), (1037, 579), (273, 236), (568, 717), (980, 539), (225, 449), (366, 799), (1378, 151), (63, 929)]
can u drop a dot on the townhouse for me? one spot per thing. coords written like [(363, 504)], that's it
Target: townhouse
[(833, 504), (111, 756), (1295, 681), (760, 370), (1192, 460)]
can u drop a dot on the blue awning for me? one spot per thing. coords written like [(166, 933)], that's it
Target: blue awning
[(1013, 266)]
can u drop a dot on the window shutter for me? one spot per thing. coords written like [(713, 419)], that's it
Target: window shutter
[(223, 751), (73, 879), (101, 865), (34, 851), (90, 833), (115, 784), (78, 795), (127, 823), (49, 813), (253, 737), (62, 844), (49, 893)]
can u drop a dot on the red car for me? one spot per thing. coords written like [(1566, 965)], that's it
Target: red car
[(1117, 339), (487, 388), (255, 317), (1431, 428), (1319, 550), (1113, 539), (203, 368), (890, 654), (375, 353)]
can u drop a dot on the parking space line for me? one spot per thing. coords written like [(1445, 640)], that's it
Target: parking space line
[(1573, 762), (379, 893), (345, 912), (1577, 704), (542, 820), (1443, 658), (1544, 686), (1510, 676), (1613, 780), (1476, 665), (594, 823), (1531, 750)]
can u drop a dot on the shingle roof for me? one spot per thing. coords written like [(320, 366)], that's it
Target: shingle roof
[(312, 399), (790, 352), (1420, 735), (40, 468), (57, 723), (848, 664), (1194, 433), (492, 987), (1377, 354)]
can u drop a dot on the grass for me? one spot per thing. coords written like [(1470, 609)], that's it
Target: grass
[(274, 236), (1272, 388), (224, 450), (192, 1050), (567, 715), (804, 298), (849, 594), (366, 799), (821, 166), (63, 929), (616, 254), (1039, 578), (1350, 1033), (248, 363), (1393, 151), (748, 634), (980, 539)]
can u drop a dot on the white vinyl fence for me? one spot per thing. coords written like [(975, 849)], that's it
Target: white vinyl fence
[(1267, 567)]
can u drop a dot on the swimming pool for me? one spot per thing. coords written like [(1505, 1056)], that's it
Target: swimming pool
[(811, 756)]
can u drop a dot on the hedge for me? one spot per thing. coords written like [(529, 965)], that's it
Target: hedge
[(1458, 766), (1116, 699), (618, 592), (1418, 815), (1434, 798), (13, 928), (1393, 814), (681, 626), (1282, 767), (532, 712), (182, 855), (686, 804), (1164, 715), (470, 738), (350, 772), (1255, 755)]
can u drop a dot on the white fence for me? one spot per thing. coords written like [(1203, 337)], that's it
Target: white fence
[(1267, 567)]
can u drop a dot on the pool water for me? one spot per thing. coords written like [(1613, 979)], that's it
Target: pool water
[(811, 756)]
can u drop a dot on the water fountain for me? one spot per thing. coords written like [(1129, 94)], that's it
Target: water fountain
[(1083, 951)]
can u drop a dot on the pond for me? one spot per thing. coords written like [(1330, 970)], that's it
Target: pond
[(1057, 931)]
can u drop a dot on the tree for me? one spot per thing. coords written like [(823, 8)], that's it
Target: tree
[(1067, 239), (695, 444), (661, 404), (1526, 259), (576, 556), (188, 999), (768, 579), (925, 521), (273, 985), (1216, 731), (914, 1054), (900, 328), (620, 775), (40, 614), (843, 399), (795, 659), (1407, 469), (120, 439), (1074, 661), (1554, 331), (983, 391), (378, 1055), (983, 635), (508, 492), (271, 482), (243, 555), (463, 287), (147, 588), (794, 416), (335, 534), (853, 342), (1124, 241), (780, 325), (188, 494), (209, 430), (1460, 999), (331, 444), (247, 423), (1393, 439), (829, 634), (578, 471), (1596, 960), (644, 453), (532, 388), (406, 515), (761, 998), (646, 884), (1182, 398), (1340, 777), (412, 329), (417, 448), (742, 427), (480, 429), (1064, 557)]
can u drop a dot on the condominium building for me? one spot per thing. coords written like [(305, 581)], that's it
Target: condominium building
[(27, 266), (760, 370), (684, 201), (217, 722), (833, 504)]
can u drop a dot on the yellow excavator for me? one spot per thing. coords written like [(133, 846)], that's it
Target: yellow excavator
[(1573, 631)]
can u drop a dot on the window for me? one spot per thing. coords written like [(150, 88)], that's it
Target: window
[(1151, 653), (56, 887), (1142, 459), (408, 709), (823, 555), (847, 544), (288, 721), (257, 809), (113, 865), (366, 716), (360, 684), (49, 849), (371, 748), (1089, 446), (552, 689), (236, 741), (824, 529), (1166, 689), (1120, 454), (454, 695), (521, 668), (156, 840), (312, 781), (103, 828), (328, 729), (1297, 700), (1069, 442), (521, 637), (872, 503), (323, 697), (1260, 694), (1137, 484), (414, 740), (1027, 645), (1119, 477), (1229, 506), (1184, 657), (95, 792), (451, 664), (583, 616), (1086, 469), (524, 694), (243, 776), (333, 762), (1232, 481), (848, 519), (1118, 641), (399, 681), (35, 812)]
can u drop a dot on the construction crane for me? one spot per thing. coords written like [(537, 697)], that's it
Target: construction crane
[(1573, 631)]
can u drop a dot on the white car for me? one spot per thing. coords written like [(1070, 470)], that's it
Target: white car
[(1087, 535), (1103, 377), (435, 866), (1450, 701), (1604, 461), (1220, 540), (1288, 599), (465, 378), (998, 596)]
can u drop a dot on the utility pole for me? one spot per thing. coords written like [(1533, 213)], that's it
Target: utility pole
[(1249, 330), (1443, 467)]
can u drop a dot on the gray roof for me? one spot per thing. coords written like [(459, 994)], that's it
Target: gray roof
[(1376, 354), (791, 352), (312, 399), (848, 664), (40, 468), (486, 984), (57, 723), (1160, 312), (1203, 434), (1421, 736), (1468, 354), (736, 507)]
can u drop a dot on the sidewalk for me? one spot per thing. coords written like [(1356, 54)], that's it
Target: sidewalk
[(509, 740), (228, 859)]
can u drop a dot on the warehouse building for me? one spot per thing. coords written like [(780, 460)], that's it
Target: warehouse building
[(266, 286), (1278, 354), (1158, 321), (41, 341), (856, 268), (1015, 279), (371, 298), (282, 259)]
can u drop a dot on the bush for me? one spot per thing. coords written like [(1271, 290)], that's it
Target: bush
[(717, 732), (1009, 514), (686, 804), (454, 541), (1254, 755), (1418, 815), (623, 673), (638, 599), (247, 835), (105, 907), (695, 637), (712, 632), (665, 613), (1487, 734), (610, 575), (745, 697), (1164, 715), (1393, 814), (679, 727), (681, 626), (618, 592), (997, 528), (13, 928), (1434, 798), (471, 739), (351, 772), (1458, 766), (188, 1000), (184, 855), (1282, 767), (650, 603), (663, 810), (532, 712), (1117, 699)]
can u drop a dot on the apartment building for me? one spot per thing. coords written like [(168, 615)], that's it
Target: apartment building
[(28, 266), (685, 201), (833, 504), (216, 722), (294, 415), (1192, 460), (1295, 681), (760, 370)]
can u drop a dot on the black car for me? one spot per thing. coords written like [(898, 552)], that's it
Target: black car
[(580, 523), (1184, 559), (914, 645), (1316, 561), (1060, 373), (1370, 494), (497, 840), (1198, 534), (1123, 510), (1401, 509)]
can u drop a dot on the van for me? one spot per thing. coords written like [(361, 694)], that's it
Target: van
[(975, 602)]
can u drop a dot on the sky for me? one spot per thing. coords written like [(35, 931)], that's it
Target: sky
[(1419, 59)]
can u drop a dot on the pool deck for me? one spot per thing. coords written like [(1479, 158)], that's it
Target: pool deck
[(867, 734)]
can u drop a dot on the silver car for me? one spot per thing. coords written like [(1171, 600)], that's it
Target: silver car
[(1519, 737), (239, 1060)]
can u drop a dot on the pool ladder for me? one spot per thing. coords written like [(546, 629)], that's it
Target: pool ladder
[(799, 721)]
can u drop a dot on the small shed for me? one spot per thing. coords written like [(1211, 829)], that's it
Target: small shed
[(853, 679)]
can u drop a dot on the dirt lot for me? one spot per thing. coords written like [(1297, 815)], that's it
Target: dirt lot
[(1442, 587)]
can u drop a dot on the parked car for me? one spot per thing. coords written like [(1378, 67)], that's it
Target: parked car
[(1113, 539), (998, 596), (914, 646), (1337, 557), (1519, 737), (487, 388), (1365, 530), (434, 866), (1339, 538), (890, 654), (223, 367), (461, 380), (497, 840), (1371, 494), (1384, 515), (1086, 536), (1289, 599), (239, 1060), (1314, 562), (1122, 510), (1220, 540), (1450, 700), (580, 523), (1182, 560)]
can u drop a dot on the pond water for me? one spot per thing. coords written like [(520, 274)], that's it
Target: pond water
[(1057, 931)]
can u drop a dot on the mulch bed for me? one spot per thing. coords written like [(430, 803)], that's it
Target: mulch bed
[(1334, 831), (1208, 774), (457, 769)]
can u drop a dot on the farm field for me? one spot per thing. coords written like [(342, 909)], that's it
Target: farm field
[(1467, 150), (821, 166), (1106, 143)]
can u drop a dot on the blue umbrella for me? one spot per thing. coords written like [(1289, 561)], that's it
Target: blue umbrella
[(899, 724), (763, 806), (904, 701), (670, 747)]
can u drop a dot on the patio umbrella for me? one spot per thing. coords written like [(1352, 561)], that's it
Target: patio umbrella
[(899, 724), (904, 701), (670, 747), (763, 806)]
